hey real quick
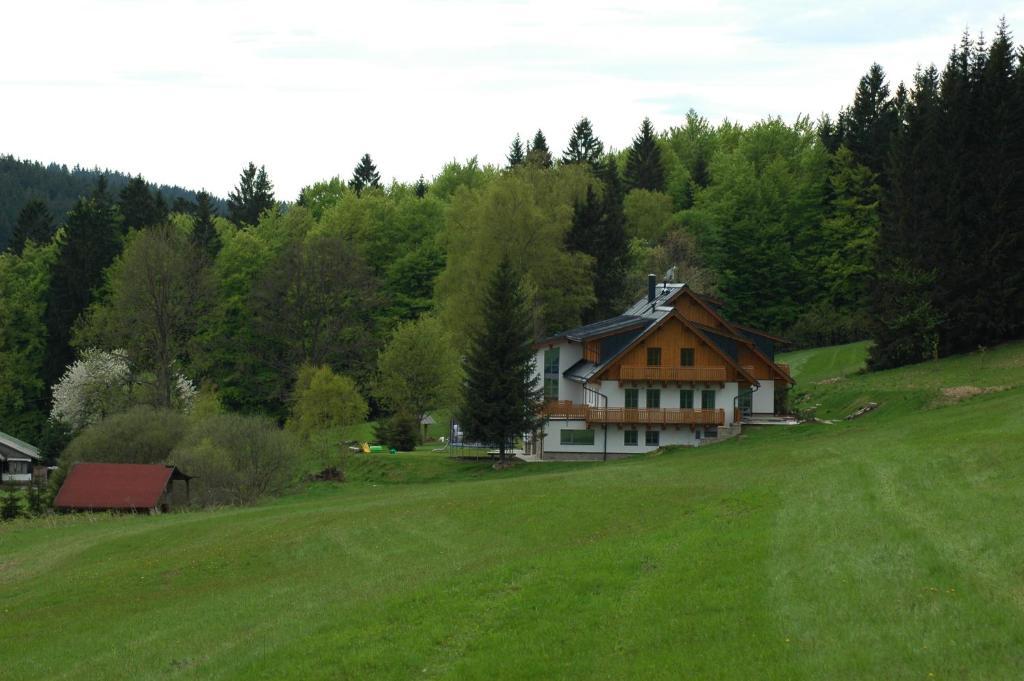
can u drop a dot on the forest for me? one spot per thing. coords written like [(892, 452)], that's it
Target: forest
[(899, 219)]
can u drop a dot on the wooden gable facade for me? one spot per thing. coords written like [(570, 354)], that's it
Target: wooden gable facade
[(657, 356)]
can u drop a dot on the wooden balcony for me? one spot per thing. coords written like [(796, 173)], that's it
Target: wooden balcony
[(673, 374), (624, 416)]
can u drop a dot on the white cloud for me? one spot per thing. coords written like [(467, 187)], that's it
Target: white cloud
[(187, 92)]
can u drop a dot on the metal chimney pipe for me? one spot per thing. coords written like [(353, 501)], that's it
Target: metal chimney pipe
[(652, 283)]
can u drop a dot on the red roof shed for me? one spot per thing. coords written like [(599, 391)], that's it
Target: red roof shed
[(117, 486)]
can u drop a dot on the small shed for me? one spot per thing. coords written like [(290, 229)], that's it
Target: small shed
[(119, 487), (425, 424), (17, 460)]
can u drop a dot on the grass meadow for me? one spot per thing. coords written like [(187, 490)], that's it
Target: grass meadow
[(887, 547)]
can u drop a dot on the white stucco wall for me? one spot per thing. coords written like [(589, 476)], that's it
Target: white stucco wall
[(568, 354), (616, 438), (764, 398)]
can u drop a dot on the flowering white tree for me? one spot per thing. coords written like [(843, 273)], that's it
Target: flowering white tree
[(100, 383)]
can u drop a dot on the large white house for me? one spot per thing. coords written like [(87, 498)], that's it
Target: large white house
[(670, 370)]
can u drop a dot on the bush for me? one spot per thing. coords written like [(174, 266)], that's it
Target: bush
[(399, 431), (10, 506), (237, 459), (140, 435), (323, 399)]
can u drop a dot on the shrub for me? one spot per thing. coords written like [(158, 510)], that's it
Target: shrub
[(139, 435), (10, 506), (398, 431), (237, 459), (323, 399)]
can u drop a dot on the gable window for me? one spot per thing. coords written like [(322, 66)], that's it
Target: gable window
[(653, 398), (654, 357), (577, 437), (686, 399), (631, 438), (632, 398), (686, 357), (551, 361), (550, 389), (652, 438), (707, 399)]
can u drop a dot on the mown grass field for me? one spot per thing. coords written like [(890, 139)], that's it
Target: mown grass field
[(888, 547)]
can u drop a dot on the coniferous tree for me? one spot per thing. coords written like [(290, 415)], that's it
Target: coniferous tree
[(34, 223), (204, 233), (584, 146), (10, 506), (90, 241), (139, 206), (516, 153), (644, 169), (612, 254), (538, 154), (867, 126), (365, 175), (501, 396), (253, 195), (420, 188)]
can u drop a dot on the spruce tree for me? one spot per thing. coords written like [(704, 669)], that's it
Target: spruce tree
[(204, 233), (420, 188), (516, 153), (90, 240), (584, 146), (611, 257), (139, 206), (501, 395), (253, 195), (538, 153), (644, 169), (867, 126), (364, 175), (34, 223), (10, 507)]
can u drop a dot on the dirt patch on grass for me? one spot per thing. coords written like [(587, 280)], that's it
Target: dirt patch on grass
[(963, 392), (830, 381)]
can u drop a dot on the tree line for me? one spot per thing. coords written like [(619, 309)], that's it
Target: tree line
[(899, 220)]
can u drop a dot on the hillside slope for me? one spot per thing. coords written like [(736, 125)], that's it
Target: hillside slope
[(59, 187), (885, 547)]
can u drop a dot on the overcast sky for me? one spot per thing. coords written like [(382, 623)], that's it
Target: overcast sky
[(188, 92)]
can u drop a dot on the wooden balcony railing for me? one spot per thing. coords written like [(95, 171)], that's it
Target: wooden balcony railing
[(679, 374), (622, 415)]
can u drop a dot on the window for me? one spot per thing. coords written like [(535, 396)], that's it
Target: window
[(653, 398), (652, 438), (631, 438), (550, 389), (577, 437), (17, 467), (551, 361), (686, 357), (707, 399), (686, 399), (632, 398), (654, 357), (711, 432)]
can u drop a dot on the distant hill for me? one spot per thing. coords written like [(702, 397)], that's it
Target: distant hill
[(59, 186)]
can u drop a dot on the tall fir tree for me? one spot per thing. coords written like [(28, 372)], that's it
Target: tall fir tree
[(516, 153), (538, 153), (34, 223), (89, 242), (644, 167), (420, 188), (364, 175), (501, 395), (253, 195), (869, 124), (141, 207), (612, 253), (204, 234), (584, 146)]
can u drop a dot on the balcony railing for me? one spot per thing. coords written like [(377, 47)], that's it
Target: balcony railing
[(623, 415), (678, 374)]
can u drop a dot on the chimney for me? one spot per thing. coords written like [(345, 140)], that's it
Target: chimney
[(652, 283)]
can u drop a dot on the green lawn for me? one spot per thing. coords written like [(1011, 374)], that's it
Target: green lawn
[(821, 364), (889, 547)]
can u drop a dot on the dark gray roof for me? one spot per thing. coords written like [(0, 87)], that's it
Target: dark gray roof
[(601, 328), (12, 447)]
